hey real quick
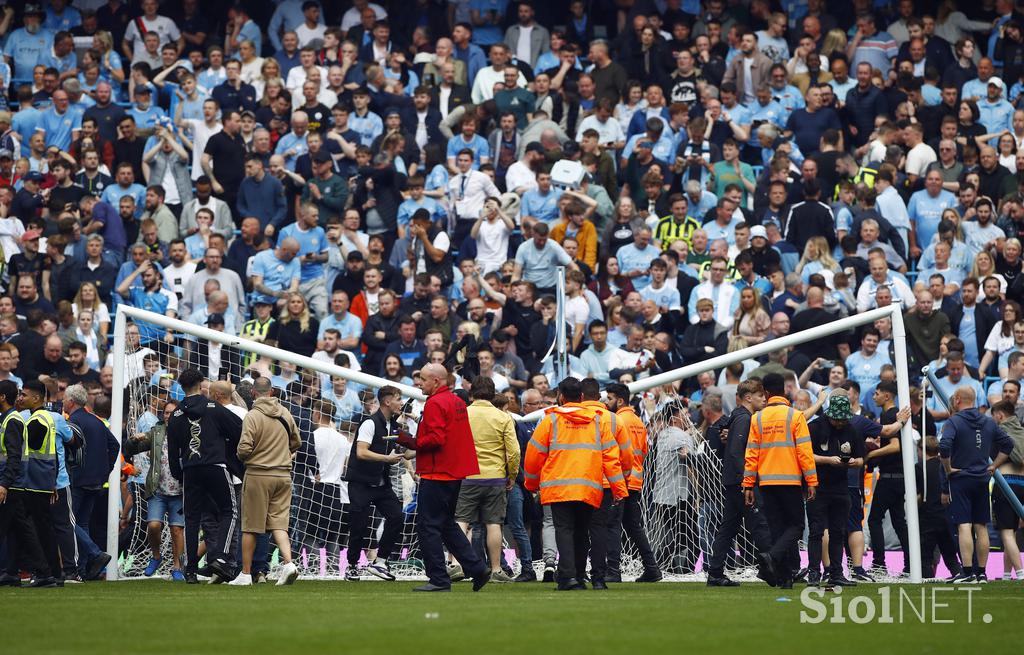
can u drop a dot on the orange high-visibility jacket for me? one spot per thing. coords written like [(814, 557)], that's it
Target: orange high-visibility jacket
[(621, 438), (568, 456), (628, 422), (779, 447)]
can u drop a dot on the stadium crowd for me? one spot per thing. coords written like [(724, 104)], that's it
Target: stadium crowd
[(392, 186)]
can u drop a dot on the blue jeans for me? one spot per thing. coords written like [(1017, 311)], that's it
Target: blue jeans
[(83, 502), (261, 556), (514, 520)]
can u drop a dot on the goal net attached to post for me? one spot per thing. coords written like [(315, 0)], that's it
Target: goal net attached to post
[(319, 513), (681, 497)]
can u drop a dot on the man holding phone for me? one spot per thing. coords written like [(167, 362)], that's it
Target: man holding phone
[(838, 447)]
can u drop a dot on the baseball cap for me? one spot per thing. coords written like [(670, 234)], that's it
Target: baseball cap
[(215, 319), (34, 9), (997, 82), (6, 154), (392, 111), (321, 157), (31, 235), (758, 231), (248, 113), (143, 89), (33, 176), (644, 143)]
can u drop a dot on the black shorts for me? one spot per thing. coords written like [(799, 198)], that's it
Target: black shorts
[(968, 500), (856, 520), (481, 503), (1002, 509)]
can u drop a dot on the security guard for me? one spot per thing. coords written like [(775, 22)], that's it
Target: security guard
[(677, 226), (37, 484), (732, 449), (630, 516), (258, 329), (605, 514), (837, 449), (12, 446), (778, 460), (565, 460)]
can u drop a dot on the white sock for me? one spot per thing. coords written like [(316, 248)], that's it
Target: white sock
[(1020, 574)]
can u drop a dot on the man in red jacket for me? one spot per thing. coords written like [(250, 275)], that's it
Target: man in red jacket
[(445, 455)]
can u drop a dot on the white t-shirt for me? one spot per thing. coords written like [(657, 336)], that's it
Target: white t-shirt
[(919, 158), (201, 133), (252, 71), (101, 315), (332, 451), (520, 175), (351, 17), (492, 245), (523, 44), (307, 34), (577, 311), (166, 28), (178, 277)]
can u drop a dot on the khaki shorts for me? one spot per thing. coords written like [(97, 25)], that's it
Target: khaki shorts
[(481, 503), (266, 501)]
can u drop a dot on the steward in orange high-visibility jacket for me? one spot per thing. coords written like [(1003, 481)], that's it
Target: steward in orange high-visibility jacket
[(779, 447), (779, 459), (606, 515), (631, 515), (567, 458)]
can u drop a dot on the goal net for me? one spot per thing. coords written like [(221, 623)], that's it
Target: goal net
[(681, 498), (682, 495), (318, 531)]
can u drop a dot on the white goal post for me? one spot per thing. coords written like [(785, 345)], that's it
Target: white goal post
[(893, 312), (117, 413)]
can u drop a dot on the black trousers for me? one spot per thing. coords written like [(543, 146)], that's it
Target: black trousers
[(830, 510), (572, 537), (679, 545), (64, 531), (600, 536), (208, 488), (735, 511), (360, 499), (30, 533), (888, 497), (628, 516), (436, 529), (784, 511), (937, 533)]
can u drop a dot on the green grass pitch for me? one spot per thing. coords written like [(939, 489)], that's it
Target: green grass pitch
[(155, 616)]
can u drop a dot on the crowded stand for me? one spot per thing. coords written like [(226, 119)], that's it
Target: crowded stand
[(392, 189)]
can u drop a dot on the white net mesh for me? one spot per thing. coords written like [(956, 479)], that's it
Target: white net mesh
[(318, 531), (682, 496)]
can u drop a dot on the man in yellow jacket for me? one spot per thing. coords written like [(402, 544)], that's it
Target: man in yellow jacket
[(779, 460), (483, 498), (569, 455)]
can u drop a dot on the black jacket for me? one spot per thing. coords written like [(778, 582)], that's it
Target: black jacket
[(230, 362), (201, 432), (808, 219), (103, 277), (699, 335), (375, 347), (14, 445), (101, 450), (374, 474), (734, 450)]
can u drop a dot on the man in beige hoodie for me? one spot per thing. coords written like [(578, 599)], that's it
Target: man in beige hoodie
[(269, 439)]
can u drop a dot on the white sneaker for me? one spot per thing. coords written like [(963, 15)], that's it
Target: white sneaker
[(241, 580), (288, 574), (380, 569)]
